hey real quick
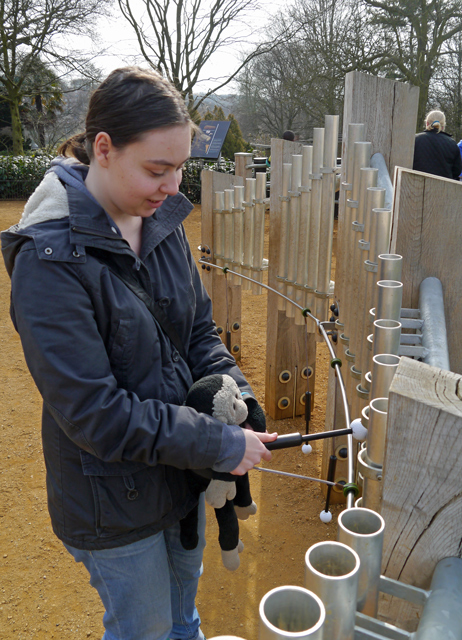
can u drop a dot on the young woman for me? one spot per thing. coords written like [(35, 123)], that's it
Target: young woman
[(116, 326)]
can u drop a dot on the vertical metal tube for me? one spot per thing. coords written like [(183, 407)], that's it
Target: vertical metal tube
[(315, 218), (363, 530), (291, 612), (238, 230), (434, 338), (249, 209), (331, 572), (368, 179), (294, 224), (361, 158), (376, 434), (387, 336), (390, 266), (355, 134), (379, 237), (259, 232), (389, 300), (284, 233), (228, 248), (218, 227), (384, 367), (326, 228), (304, 233)]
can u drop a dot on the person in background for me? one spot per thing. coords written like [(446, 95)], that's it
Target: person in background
[(288, 135), (435, 151), (459, 144), (116, 326)]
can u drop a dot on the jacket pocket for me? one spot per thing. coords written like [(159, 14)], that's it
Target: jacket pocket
[(127, 495)]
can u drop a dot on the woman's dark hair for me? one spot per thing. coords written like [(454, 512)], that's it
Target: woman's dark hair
[(130, 102)]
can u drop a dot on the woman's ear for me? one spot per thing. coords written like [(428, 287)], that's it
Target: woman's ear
[(102, 146)]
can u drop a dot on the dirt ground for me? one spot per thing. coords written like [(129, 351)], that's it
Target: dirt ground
[(44, 594)]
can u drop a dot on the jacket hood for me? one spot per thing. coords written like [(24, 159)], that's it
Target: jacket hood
[(74, 219)]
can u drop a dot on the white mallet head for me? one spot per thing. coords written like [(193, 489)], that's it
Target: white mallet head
[(325, 516), (307, 448), (359, 430)]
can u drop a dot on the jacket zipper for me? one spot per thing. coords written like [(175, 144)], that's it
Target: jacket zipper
[(92, 232)]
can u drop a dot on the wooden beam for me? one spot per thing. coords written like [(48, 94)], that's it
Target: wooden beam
[(427, 232), (422, 496)]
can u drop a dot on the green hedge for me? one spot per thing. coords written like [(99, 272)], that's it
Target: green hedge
[(20, 175)]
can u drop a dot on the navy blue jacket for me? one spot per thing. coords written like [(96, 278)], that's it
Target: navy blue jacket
[(116, 436), (438, 154)]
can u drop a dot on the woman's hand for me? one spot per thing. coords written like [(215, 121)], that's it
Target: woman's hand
[(255, 450)]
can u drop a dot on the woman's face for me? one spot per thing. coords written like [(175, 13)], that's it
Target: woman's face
[(140, 176)]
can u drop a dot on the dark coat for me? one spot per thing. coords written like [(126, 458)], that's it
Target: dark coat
[(437, 153), (116, 438)]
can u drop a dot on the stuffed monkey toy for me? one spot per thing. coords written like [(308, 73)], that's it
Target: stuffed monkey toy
[(219, 396)]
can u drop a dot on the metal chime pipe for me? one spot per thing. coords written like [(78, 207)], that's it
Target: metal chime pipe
[(390, 266), (284, 238), (326, 228), (355, 134), (434, 338), (249, 210), (332, 572), (361, 159), (371, 198), (363, 531), (387, 337), (375, 452), (315, 218), (238, 211), (383, 179), (384, 367), (375, 197), (304, 234), (228, 241), (294, 224), (379, 237), (218, 227), (389, 300), (259, 231), (291, 612)]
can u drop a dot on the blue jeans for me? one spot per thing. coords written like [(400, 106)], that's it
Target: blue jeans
[(148, 587)]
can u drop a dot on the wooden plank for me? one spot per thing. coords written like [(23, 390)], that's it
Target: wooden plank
[(427, 232), (226, 297), (285, 341), (422, 498)]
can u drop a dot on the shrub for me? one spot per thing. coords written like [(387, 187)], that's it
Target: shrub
[(20, 175)]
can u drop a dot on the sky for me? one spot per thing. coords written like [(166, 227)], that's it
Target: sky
[(121, 47)]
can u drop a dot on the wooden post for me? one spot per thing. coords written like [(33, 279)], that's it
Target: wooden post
[(226, 297), (241, 160), (422, 500), (388, 110), (286, 341), (427, 232)]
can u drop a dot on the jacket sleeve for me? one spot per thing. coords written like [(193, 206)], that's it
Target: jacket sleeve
[(66, 355), (207, 354)]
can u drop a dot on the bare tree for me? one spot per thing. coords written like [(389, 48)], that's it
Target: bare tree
[(30, 29), (299, 82), (415, 33), (179, 37)]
